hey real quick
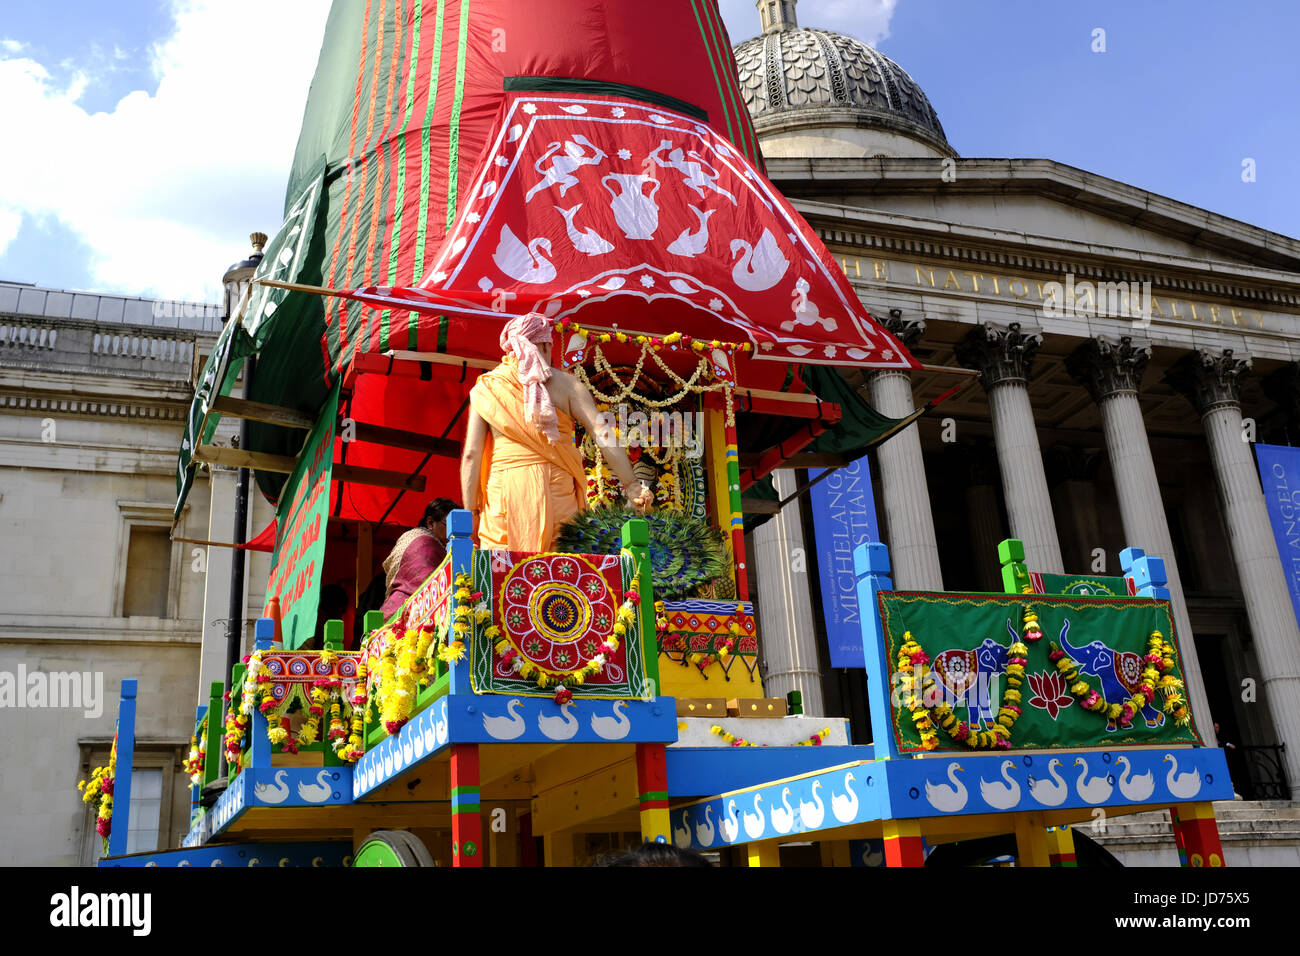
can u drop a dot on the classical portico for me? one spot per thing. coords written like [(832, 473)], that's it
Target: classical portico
[(1090, 310)]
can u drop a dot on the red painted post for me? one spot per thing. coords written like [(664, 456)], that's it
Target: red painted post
[(466, 817)]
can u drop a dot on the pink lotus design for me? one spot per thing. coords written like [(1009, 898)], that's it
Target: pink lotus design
[(1050, 692)]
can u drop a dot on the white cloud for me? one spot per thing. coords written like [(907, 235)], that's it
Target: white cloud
[(867, 20), (10, 222), (166, 188), (12, 46)]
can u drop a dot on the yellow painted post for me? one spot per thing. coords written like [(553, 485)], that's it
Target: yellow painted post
[(1060, 846), (764, 853), (715, 420), (559, 848), (1031, 841)]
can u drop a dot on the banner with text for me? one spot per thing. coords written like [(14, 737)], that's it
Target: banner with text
[(1279, 473), (299, 557), (844, 516)]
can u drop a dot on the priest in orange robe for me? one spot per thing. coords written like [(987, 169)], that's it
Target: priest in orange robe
[(521, 474)]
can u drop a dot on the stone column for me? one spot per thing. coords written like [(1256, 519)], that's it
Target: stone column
[(216, 586), (1003, 358), (787, 633), (1112, 374), (1212, 380), (913, 548)]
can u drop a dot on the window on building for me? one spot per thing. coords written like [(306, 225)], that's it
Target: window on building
[(148, 572), (146, 810), (159, 796)]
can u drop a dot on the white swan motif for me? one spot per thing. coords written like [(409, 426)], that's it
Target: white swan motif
[(704, 829), (408, 748), (1139, 788), (1183, 785), (612, 728), (424, 740), (755, 823), (317, 792), (523, 263), (845, 808), (730, 823), (948, 799), (1096, 790), (812, 814), (558, 728), (506, 728), (1000, 795), (388, 757), (782, 817), (277, 792), (682, 834), (1046, 792), (689, 243), (440, 726), (587, 240), (761, 266)]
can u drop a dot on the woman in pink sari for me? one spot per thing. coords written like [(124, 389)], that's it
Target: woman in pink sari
[(416, 555)]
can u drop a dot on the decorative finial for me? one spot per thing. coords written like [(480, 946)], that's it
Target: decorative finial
[(258, 240), (777, 16)]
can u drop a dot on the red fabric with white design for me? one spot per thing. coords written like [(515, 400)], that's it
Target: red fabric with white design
[(624, 215)]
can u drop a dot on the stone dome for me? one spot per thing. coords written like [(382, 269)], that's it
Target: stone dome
[(805, 85)]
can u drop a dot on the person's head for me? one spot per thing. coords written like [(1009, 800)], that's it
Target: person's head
[(525, 335), (655, 854), (435, 515)]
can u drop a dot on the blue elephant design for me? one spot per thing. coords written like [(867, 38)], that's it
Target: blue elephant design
[(968, 677), (1120, 673)]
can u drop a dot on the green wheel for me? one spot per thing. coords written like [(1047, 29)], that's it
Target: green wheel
[(392, 848)]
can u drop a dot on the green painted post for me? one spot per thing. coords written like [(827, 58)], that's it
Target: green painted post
[(794, 702), (636, 539), (236, 690), (216, 731), (1015, 574), (372, 622), (334, 635)]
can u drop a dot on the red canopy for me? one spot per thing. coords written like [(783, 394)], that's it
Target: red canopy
[(622, 214)]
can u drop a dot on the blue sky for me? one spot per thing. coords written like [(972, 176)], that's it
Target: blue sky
[(129, 175)]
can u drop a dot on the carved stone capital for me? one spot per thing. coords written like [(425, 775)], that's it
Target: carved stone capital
[(907, 331), (1000, 355), (1209, 379), (1107, 368)]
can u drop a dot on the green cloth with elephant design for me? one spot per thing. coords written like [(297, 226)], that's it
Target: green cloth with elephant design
[(966, 637)]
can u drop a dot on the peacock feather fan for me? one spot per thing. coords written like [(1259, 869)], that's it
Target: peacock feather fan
[(685, 553)]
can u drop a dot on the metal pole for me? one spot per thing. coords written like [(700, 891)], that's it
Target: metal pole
[(235, 622)]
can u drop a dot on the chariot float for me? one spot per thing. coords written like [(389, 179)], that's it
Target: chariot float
[(460, 164)]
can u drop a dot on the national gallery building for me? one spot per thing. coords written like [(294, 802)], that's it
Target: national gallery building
[(1129, 349)]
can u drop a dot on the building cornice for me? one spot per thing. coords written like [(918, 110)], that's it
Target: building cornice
[(867, 231), (1039, 177)]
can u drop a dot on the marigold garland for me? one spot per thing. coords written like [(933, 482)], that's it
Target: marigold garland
[(1157, 674), (911, 658), (193, 764), (408, 661), (100, 788), (814, 741)]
